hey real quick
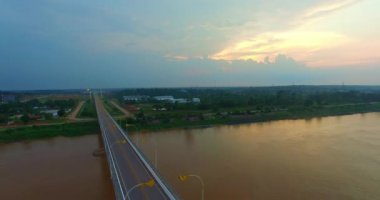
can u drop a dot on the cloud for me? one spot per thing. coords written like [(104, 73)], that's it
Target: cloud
[(185, 43), (357, 53), (327, 8), (297, 44), (301, 40), (176, 57)]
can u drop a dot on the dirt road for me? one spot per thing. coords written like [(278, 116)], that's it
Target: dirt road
[(74, 113), (126, 112)]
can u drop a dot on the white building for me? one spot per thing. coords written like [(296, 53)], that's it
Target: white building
[(180, 100), (196, 100), (54, 113), (164, 98), (135, 98)]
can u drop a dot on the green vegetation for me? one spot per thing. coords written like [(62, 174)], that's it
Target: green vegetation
[(243, 105), (25, 119), (112, 109), (217, 106), (39, 132), (88, 110), (165, 121), (34, 106), (33, 110), (317, 111)]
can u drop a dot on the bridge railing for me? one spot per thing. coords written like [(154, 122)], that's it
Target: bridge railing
[(114, 171), (147, 164)]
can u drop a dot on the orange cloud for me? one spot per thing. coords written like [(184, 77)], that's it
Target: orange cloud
[(324, 9), (297, 44), (304, 42), (177, 57)]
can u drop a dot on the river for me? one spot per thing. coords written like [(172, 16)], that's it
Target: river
[(320, 158), (58, 168)]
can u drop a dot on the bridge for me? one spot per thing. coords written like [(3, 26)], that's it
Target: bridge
[(133, 177)]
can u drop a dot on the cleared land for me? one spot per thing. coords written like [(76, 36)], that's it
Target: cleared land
[(114, 111), (74, 113), (125, 112)]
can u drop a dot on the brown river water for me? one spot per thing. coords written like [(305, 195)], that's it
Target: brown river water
[(320, 158), (57, 168)]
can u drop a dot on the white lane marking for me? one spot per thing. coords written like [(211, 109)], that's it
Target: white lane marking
[(145, 163), (105, 139), (163, 187), (117, 162), (112, 161)]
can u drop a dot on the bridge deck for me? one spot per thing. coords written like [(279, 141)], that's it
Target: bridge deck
[(128, 166)]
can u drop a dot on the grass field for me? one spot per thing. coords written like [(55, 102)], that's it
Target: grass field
[(40, 132), (112, 109), (88, 110)]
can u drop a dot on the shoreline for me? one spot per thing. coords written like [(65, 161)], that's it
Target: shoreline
[(25, 133), (73, 129), (248, 120)]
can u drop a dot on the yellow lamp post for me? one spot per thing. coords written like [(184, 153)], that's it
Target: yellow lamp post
[(119, 142), (149, 183), (185, 177)]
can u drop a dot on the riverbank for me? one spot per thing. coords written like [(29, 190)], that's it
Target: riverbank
[(313, 112), (241, 118), (8, 135), (83, 128)]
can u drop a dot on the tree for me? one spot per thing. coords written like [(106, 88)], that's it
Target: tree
[(308, 102), (25, 118), (3, 118), (61, 112)]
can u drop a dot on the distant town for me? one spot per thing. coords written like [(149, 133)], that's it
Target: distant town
[(156, 109), (168, 98)]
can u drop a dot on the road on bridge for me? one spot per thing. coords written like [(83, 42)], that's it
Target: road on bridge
[(130, 169)]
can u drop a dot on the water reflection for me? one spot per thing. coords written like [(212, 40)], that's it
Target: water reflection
[(189, 138), (58, 168), (319, 158)]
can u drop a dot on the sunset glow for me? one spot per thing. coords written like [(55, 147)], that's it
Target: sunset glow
[(307, 38), (187, 43), (300, 45)]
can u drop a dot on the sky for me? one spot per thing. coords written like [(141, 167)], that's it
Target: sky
[(69, 44)]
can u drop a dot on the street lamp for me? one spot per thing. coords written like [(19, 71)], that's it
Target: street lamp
[(137, 133), (149, 183), (155, 152), (119, 142), (185, 177), (120, 123), (154, 146)]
